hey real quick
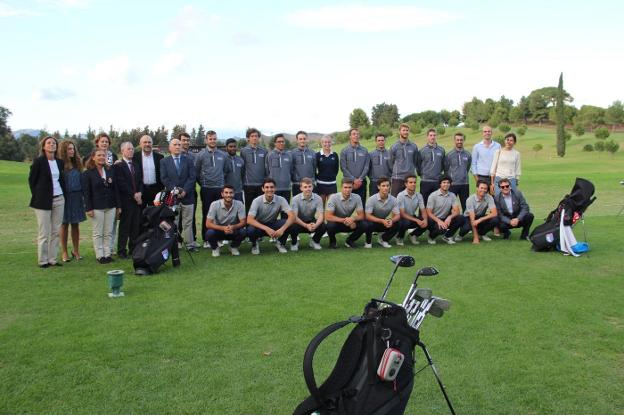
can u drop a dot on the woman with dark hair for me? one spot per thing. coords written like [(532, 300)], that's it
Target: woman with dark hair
[(102, 141), (74, 212), (506, 165), (101, 201), (46, 181)]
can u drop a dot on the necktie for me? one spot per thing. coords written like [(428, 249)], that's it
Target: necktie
[(131, 167), (177, 164)]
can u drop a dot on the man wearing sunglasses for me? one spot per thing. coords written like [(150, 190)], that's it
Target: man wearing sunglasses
[(513, 210)]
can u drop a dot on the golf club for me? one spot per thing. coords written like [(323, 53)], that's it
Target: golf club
[(399, 261)]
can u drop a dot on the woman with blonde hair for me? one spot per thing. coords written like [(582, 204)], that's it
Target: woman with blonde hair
[(74, 212)]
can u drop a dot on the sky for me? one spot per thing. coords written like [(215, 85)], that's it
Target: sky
[(283, 66)]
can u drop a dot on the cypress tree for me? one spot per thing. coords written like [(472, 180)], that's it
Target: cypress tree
[(561, 141)]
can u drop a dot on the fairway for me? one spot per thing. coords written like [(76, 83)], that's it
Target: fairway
[(528, 333)]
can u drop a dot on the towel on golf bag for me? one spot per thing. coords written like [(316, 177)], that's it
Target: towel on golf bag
[(353, 387), (158, 243)]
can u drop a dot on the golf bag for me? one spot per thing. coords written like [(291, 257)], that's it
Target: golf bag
[(546, 236), (159, 242), (354, 386)]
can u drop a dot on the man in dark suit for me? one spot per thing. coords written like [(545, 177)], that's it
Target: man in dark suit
[(148, 162), (178, 171), (513, 210), (130, 189)]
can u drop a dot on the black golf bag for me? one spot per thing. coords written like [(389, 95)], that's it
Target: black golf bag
[(158, 242), (546, 236), (354, 387)]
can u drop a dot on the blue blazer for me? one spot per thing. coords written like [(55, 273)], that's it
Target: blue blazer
[(185, 179)]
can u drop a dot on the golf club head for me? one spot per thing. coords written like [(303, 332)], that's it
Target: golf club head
[(442, 303), (403, 260), (435, 311), (427, 271)]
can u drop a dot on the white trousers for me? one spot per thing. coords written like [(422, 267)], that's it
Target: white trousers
[(103, 222), (49, 222)]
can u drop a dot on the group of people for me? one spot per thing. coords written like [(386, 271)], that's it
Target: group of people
[(278, 193)]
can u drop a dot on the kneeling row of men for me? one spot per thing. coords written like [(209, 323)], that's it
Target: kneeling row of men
[(271, 215)]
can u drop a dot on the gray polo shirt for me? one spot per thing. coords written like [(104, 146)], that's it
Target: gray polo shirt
[(211, 168), (404, 159), (307, 209), (303, 164), (223, 216), (380, 164), (267, 212), (431, 163), (441, 204), (479, 207), (344, 208), (457, 165), (255, 170), (234, 176), (382, 208), (410, 204), (354, 162), (278, 167)]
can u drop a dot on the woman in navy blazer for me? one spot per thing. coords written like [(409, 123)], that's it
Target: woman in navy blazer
[(47, 185), (101, 203)]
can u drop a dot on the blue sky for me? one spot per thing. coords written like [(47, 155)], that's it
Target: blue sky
[(290, 65)]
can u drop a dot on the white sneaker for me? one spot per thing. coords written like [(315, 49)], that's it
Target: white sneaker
[(367, 245), (458, 238), (383, 243), (225, 242), (486, 238), (399, 242), (294, 247), (255, 249), (234, 251), (315, 245), (431, 241), (271, 240), (414, 240), (215, 252), (325, 235), (281, 248), (206, 245), (448, 240), (220, 244)]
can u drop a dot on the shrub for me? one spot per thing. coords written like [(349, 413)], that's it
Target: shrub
[(500, 140), (599, 146), (521, 130), (504, 128), (588, 147), (440, 130), (567, 135), (612, 147), (601, 133), (579, 130), (537, 148)]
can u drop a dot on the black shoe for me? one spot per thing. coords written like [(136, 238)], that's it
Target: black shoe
[(506, 235), (44, 265), (122, 255), (102, 260), (109, 259), (350, 244), (56, 264), (332, 245), (193, 249)]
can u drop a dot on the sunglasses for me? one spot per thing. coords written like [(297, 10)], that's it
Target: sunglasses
[(504, 186)]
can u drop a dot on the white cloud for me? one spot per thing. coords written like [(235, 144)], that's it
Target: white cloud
[(361, 18), (168, 63), (115, 69), (65, 3), (188, 20), (6, 10), (69, 71), (245, 39), (52, 94)]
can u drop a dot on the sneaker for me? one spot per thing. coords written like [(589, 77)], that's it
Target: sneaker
[(219, 244), (294, 247), (350, 244), (368, 246), (399, 242), (414, 240), (234, 251), (255, 249), (459, 238), (225, 242), (449, 240), (332, 245), (486, 238), (215, 252), (431, 241), (281, 248), (523, 238), (206, 245), (383, 243), (315, 245)]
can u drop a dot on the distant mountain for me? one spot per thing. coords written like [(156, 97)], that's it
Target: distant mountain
[(28, 131)]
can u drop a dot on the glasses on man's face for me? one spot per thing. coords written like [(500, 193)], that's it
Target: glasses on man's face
[(504, 186)]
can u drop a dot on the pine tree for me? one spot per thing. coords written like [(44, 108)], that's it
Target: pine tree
[(560, 119), (201, 135)]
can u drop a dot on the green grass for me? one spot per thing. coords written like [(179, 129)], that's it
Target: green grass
[(528, 333)]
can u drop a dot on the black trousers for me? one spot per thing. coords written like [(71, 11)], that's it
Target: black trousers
[(426, 188), (405, 224), (149, 193), (251, 192), (354, 234), (295, 229), (462, 191), (525, 224), (129, 227), (388, 233), (208, 195), (482, 228), (456, 223), (397, 186), (362, 191)]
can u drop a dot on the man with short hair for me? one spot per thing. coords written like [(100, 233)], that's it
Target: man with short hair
[(307, 208), (380, 163), (345, 213), (236, 172), (185, 140), (410, 202), (481, 215), (178, 173), (513, 210), (262, 218), (211, 168), (148, 162), (130, 189), (404, 159), (430, 165), (457, 166), (443, 213), (382, 215), (483, 156), (226, 221), (303, 162), (279, 166), (254, 156), (354, 163)]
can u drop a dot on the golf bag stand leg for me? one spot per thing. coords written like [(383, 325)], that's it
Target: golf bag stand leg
[(181, 240), (437, 376)]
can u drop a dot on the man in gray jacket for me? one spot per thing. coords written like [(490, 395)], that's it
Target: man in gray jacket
[(404, 159), (254, 156), (513, 210), (457, 166), (234, 176), (279, 167), (380, 163), (303, 162), (354, 163), (430, 165)]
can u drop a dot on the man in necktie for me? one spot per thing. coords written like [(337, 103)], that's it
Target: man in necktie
[(130, 188)]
